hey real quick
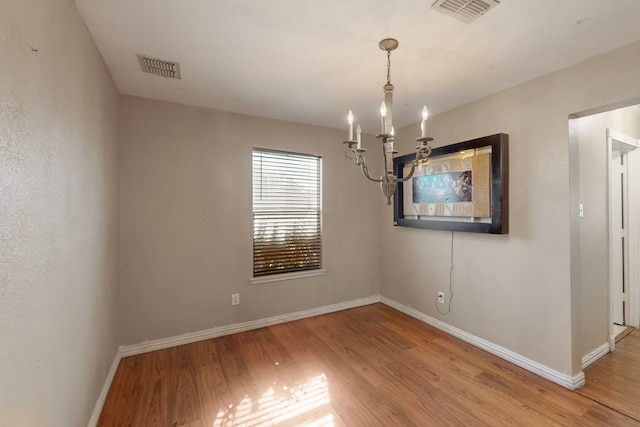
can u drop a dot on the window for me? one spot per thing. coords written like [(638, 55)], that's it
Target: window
[(286, 212)]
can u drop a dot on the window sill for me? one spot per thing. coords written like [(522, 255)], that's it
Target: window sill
[(287, 276)]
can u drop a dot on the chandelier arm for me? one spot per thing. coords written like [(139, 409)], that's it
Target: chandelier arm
[(362, 162), (349, 151), (423, 152), (410, 174)]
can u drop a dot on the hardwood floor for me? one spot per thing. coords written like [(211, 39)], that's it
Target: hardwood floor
[(614, 380), (368, 366)]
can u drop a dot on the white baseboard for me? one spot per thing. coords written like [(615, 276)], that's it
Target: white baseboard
[(97, 410), (596, 354), (144, 347), (537, 368)]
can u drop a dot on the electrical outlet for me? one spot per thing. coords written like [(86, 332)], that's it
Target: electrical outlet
[(441, 297), (235, 299)]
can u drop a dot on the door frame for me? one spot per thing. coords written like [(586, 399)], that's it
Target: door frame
[(633, 233)]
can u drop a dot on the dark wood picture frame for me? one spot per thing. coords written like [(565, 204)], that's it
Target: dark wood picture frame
[(499, 188)]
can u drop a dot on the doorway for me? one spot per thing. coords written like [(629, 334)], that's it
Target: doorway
[(624, 235), (596, 136)]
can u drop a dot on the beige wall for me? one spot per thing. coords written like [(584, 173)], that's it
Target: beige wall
[(517, 290), (58, 216), (186, 222), (594, 226)]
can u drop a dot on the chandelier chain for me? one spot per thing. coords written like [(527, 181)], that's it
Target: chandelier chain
[(388, 67)]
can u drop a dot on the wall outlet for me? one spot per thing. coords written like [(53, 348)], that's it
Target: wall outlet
[(441, 297), (235, 299)]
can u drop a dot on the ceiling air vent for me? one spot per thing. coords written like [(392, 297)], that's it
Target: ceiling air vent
[(159, 67), (464, 10)]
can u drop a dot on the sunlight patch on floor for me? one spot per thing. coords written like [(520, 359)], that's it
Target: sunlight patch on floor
[(305, 403)]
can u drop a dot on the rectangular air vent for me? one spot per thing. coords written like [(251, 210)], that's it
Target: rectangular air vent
[(464, 10), (159, 67)]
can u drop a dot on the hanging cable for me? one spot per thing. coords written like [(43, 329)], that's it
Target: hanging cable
[(450, 281)]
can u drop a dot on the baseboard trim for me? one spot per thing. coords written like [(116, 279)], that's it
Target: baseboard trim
[(102, 397), (577, 381), (596, 354), (537, 368), (144, 347)]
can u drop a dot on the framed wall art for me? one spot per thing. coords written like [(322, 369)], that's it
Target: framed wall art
[(461, 187)]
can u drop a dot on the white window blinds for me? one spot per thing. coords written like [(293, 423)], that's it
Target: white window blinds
[(286, 212)]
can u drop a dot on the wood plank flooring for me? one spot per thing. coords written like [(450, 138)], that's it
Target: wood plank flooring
[(368, 366), (614, 380)]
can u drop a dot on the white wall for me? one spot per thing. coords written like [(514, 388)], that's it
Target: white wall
[(58, 216), (516, 290), (186, 222), (594, 226)]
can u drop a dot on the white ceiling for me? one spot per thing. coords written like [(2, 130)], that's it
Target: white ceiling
[(310, 61)]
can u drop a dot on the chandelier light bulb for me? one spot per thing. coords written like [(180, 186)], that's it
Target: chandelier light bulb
[(423, 124), (383, 116), (350, 121)]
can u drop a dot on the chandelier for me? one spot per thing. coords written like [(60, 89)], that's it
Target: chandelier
[(388, 181)]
